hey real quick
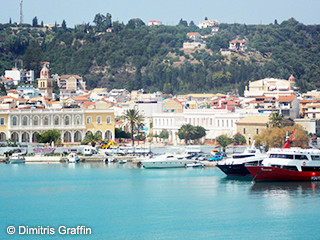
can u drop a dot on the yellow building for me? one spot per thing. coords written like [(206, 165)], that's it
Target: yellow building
[(251, 126), (172, 105), (22, 125), (101, 122), (3, 126)]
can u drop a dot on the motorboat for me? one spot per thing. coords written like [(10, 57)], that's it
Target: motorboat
[(73, 158), (122, 161), (167, 161), (293, 164), (235, 166), (17, 158), (195, 164)]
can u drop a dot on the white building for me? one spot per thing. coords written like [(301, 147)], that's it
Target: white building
[(154, 23), (215, 121), (271, 87), (20, 75), (208, 23), (193, 45)]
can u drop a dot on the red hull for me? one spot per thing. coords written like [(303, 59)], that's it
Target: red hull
[(261, 173)]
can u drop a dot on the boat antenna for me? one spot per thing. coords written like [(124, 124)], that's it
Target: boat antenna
[(289, 140)]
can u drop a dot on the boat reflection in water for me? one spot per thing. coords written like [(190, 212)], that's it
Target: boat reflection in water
[(286, 188)]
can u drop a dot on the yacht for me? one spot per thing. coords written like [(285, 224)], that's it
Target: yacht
[(288, 164), (167, 161), (73, 158), (17, 158), (235, 166)]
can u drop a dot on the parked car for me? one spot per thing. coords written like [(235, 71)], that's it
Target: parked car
[(216, 157)]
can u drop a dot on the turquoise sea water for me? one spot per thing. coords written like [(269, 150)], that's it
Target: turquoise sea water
[(126, 202)]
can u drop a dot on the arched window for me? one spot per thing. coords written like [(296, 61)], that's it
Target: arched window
[(66, 120), (25, 121), (14, 121), (78, 120), (46, 120), (56, 120), (67, 137), (35, 120)]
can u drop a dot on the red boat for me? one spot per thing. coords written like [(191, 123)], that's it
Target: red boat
[(292, 164)]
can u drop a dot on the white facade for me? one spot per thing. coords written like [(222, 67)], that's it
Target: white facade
[(192, 45), (215, 121), (19, 75), (208, 23), (24, 124)]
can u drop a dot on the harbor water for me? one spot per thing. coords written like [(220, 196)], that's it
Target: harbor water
[(127, 202)]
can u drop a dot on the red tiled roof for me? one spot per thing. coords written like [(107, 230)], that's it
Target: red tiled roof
[(192, 33), (67, 76), (289, 98)]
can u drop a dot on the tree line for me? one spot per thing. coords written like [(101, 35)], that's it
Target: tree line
[(136, 56)]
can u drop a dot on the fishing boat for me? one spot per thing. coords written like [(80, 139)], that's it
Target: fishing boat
[(235, 166), (167, 161), (73, 158), (17, 158)]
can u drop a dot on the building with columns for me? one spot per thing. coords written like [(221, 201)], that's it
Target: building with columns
[(22, 125)]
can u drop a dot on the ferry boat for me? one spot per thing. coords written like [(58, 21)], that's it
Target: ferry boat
[(167, 161), (17, 158), (293, 164), (235, 166)]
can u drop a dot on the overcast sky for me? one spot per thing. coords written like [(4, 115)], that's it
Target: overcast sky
[(168, 11)]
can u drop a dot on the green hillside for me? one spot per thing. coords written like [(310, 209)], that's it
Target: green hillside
[(136, 56)]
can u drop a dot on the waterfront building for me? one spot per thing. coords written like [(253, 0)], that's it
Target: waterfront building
[(21, 125), (252, 125), (215, 121), (310, 125)]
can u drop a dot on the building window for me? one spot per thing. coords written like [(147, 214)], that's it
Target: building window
[(14, 121), (108, 119), (67, 120), (2, 121), (56, 120), (257, 131), (35, 121), (25, 121), (78, 120), (98, 119), (89, 120), (244, 131), (46, 121)]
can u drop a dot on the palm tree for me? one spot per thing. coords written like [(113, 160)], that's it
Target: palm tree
[(185, 132), (92, 138), (133, 117), (276, 119)]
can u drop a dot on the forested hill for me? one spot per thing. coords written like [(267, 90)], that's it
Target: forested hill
[(136, 56)]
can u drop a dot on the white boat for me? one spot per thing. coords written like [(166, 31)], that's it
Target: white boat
[(195, 164), (235, 166), (17, 158), (73, 158), (167, 161), (122, 161)]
